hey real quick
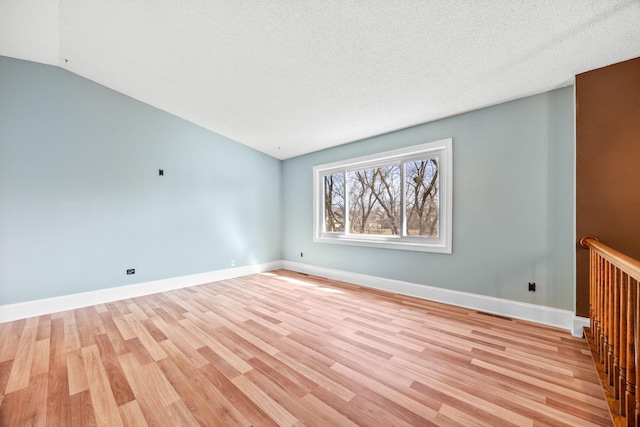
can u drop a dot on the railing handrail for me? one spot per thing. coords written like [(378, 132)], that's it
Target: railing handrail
[(614, 328), (625, 263)]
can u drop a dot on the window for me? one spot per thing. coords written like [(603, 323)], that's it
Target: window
[(399, 199)]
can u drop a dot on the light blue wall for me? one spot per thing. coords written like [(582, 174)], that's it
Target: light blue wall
[(81, 200), (513, 201)]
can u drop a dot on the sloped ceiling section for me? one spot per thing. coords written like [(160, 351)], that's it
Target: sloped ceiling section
[(292, 77)]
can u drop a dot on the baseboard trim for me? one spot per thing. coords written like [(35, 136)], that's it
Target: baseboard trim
[(579, 323), (40, 307), (563, 319)]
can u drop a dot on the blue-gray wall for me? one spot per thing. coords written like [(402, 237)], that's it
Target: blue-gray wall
[(513, 204), (81, 200)]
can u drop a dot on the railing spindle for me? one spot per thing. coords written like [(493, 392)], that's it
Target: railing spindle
[(614, 316), (615, 326), (601, 300), (606, 318), (630, 387), (593, 294), (622, 373), (612, 320), (600, 304), (635, 415)]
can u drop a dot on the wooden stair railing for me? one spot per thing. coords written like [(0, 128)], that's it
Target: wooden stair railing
[(614, 333)]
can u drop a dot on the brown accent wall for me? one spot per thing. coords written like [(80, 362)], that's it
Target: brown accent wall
[(607, 164)]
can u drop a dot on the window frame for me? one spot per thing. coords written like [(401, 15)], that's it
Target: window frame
[(442, 244)]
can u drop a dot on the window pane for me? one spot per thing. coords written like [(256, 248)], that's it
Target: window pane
[(374, 200), (422, 205), (334, 203)]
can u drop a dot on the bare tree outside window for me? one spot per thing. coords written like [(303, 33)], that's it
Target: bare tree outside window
[(400, 199), (334, 202), (422, 205), (374, 200)]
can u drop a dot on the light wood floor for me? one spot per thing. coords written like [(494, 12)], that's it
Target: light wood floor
[(283, 348)]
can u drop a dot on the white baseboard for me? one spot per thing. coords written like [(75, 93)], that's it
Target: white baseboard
[(39, 307), (563, 319), (579, 323)]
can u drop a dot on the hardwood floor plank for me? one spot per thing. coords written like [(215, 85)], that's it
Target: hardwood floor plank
[(309, 347), (38, 395), (9, 345), (104, 405), (183, 416), (77, 375), (264, 401), (589, 392), (248, 408), (114, 338), (5, 370), (124, 328), (120, 387), (370, 409), (243, 334), (475, 408), (21, 368), (400, 399), (147, 340), (152, 404), (286, 372), (132, 415), (71, 337), (391, 342), (282, 395), (81, 410), (184, 340), (134, 347), (325, 414), (294, 389), (88, 324), (579, 413), (59, 412), (155, 332), (44, 327), (284, 348), (490, 387), (206, 404), (229, 356), (27, 405), (155, 380), (328, 384), (40, 361), (101, 308), (219, 362), (463, 418), (140, 314)]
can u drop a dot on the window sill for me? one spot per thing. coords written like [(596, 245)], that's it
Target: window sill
[(388, 243)]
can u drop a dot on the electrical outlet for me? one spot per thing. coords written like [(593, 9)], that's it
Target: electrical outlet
[(532, 286), (233, 263), (131, 271)]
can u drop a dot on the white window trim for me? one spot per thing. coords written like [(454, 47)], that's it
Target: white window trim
[(442, 244)]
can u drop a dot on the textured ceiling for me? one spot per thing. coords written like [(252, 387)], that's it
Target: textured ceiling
[(290, 77)]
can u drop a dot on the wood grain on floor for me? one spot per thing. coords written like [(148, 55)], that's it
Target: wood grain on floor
[(283, 348)]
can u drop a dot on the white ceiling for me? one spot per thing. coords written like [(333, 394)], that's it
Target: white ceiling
[(288, 77)]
